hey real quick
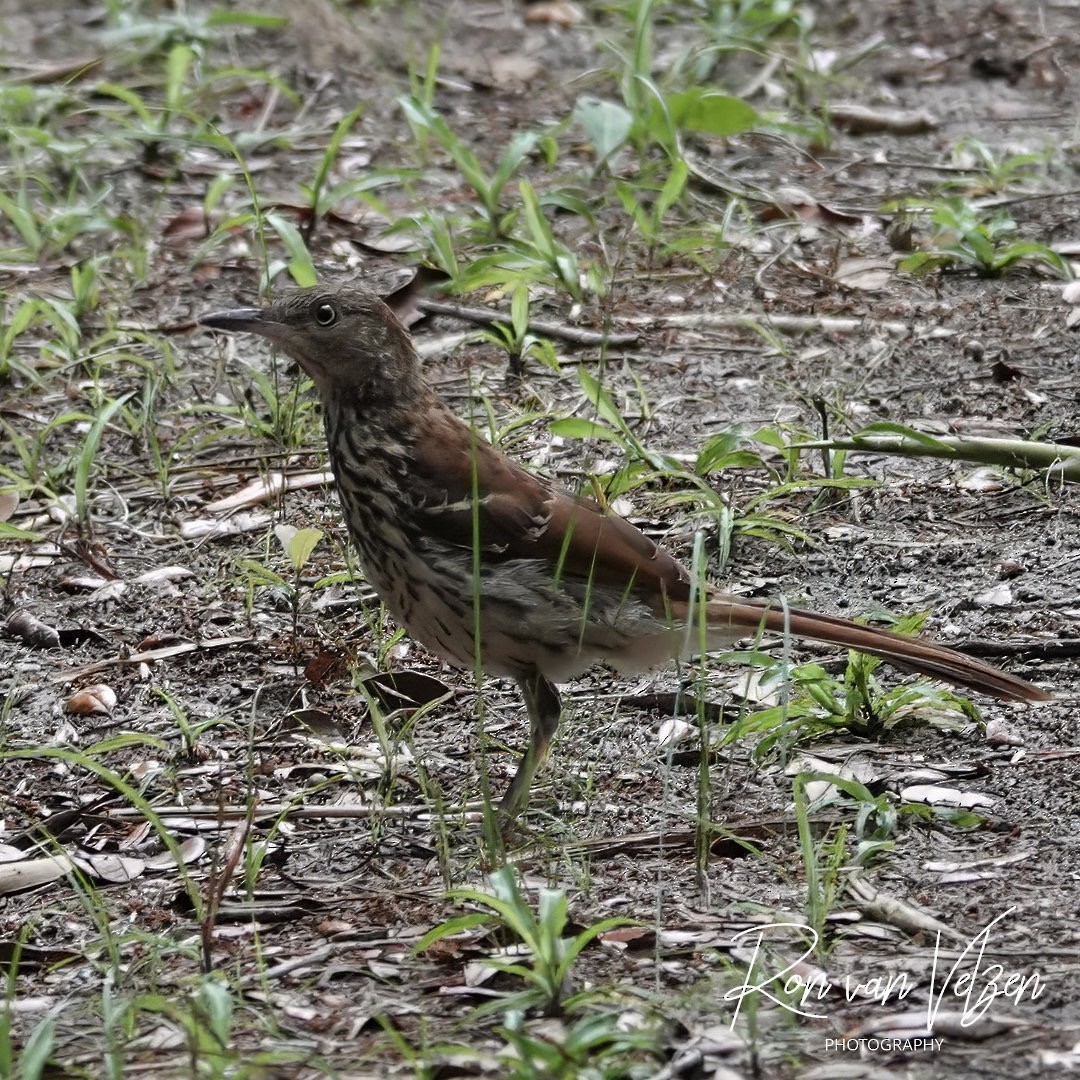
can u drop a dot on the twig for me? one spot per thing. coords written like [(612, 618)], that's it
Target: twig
[(1057, 458), (786, 324), (166, 652), (294, 811), (487, 317)]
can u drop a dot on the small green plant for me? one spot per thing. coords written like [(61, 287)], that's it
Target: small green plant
[(87, 458), (649, 219), (298, 544), (323, 197), (189, 731), (821, 863), (876, 823), (35, 315), (987, 173), (299, 265), (515, 338), (31, 1061), (815, 701), (653, 114), (593, 1046), (543, 958), (284, 415), (487, 187), (26, 1058), (692, 488), (85, 287), (964, 235)]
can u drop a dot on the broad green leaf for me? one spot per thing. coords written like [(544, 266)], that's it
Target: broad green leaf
[(606, 125), (301, 268), (711, 113), (298, 543), (673, 187)]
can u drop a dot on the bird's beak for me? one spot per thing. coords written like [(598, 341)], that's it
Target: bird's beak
[(251, 319)]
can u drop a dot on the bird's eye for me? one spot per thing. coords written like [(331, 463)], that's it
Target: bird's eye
[(325, 313)]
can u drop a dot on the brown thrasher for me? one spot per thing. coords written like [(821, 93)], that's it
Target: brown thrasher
[(455, 536)]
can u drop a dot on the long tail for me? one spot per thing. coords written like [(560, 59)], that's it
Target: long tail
[(733, 617)]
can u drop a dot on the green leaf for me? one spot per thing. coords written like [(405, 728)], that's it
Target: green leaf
[(39, 1046), (344, 126), (709, 112), (601, 400), (519, 311), (922, 262), (13, 532), (457, 925), (88, 454), (673, 188), (261, 575), (521, 145), (538, 225), (606, 125), (246, 18), (886, 427), (298, 543), (178, 64), (301, 268)]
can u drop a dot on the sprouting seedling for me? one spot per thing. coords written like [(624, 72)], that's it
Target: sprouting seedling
[(316, 193), (488, 187), (550, 956), (515, 337), (298, 544)]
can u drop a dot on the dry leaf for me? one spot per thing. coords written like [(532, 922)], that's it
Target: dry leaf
[(163, 575), (674, 731), (869, 275), (191, 850), (190, 224), (269, 487), (999, 596), (97, 700), (116, 869), (933, 795), (15, 876), (554, 12)]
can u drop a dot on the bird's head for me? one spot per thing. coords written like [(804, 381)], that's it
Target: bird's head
[(345, 338)]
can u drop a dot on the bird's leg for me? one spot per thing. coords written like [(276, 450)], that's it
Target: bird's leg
[(545, 708)]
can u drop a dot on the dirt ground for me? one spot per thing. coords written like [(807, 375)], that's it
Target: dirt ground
[(349, 836)]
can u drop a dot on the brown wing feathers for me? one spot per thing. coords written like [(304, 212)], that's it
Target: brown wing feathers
[(522, 516)]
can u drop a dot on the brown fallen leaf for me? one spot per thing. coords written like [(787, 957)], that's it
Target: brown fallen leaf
[(96, 700), (554, 12), (190, 224)]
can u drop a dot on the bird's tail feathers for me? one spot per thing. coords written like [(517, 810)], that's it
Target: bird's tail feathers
[(729, 617)]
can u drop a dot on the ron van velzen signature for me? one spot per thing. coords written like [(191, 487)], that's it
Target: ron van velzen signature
[(971, 983)]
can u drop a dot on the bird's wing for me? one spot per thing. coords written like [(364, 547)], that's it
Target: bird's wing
[(520, 516)]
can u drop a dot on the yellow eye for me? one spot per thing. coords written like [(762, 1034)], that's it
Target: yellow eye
[(325, 313)]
